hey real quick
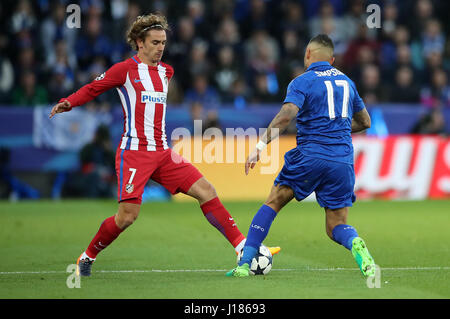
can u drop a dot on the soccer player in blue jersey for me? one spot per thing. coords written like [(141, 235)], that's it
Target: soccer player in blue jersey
[(328, 109)]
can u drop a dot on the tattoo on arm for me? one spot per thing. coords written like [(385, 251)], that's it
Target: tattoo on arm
[(280, 122)]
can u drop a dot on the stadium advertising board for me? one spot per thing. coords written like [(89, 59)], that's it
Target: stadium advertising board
[(408, 167)]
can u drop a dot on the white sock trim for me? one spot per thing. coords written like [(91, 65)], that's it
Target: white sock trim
[(240, 246)]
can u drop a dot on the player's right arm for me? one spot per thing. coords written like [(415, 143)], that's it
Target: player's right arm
[(113, 77), (278, 125)]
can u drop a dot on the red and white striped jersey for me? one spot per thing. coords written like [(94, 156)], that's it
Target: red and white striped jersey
[(143, 93)]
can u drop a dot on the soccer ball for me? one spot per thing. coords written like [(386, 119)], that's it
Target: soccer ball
[(261, 263)]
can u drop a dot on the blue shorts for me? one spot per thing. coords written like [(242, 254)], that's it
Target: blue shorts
[(332, 181)]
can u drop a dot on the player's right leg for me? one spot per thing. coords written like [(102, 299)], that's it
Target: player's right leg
[(109, 230), (133, 170), (279, 196)]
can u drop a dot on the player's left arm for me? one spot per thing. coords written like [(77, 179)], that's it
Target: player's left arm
[(276, 127), (361, 118)]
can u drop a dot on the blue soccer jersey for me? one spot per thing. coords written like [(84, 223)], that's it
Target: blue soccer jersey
[(326, 99)]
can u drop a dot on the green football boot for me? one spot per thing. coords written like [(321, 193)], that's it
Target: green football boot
[(239, 271), (363, 258)]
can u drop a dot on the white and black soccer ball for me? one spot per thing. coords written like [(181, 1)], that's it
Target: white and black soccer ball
[(261, 263)]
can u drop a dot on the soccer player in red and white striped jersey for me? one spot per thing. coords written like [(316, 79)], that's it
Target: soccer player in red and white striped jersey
[(143, 153)]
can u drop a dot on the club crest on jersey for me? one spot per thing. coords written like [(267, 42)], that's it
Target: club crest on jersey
[(100, 77), (129, 188), (153, 97)]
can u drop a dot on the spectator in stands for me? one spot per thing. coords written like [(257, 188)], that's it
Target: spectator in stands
[(294, 21), (180, 48), (226, 72), (198, 59), (262, 51), (6, 74), (202, 91), (54, 34), (23, 18), (432, 122), (433, 39), (27, 61), (61, 83), (208, 118), (254, 15), (175, 94), (292, 54), (422, 12), (227, 34), (390, 15), (404, 90), (438, 93), (365, 57), (354, 18), (97, 176), (195, 9), (92, 43), (389, 49), (332, 25), (431, 42), (265, 89), (239, 94), (370, 84), (266, 38), (262, 58), (362, 40), (29, 93)]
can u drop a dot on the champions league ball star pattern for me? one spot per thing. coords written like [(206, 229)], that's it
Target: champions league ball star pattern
[(261, 263)]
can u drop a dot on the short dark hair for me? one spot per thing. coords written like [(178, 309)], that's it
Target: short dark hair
[(323, 40)]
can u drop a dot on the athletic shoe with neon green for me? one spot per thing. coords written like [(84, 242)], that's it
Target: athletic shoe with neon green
[(362, 256), (239, 271)]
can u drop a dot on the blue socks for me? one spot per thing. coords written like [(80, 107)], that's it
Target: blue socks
[(344, 235), (257, 233)]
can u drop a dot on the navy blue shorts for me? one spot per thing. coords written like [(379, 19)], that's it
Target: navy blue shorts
[(333, 182)]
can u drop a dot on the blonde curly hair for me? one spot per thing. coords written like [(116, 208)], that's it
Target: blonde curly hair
[(144, 23)]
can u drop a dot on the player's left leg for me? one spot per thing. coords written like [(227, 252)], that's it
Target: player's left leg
[(339, 231), (178, 175), (335, 194), (214, 211)]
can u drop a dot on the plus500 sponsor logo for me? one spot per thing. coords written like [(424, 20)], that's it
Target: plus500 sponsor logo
[(153, 97)]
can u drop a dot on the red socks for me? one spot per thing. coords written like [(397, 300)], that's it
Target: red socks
[(219, 217), (213, 210), (106, 234)]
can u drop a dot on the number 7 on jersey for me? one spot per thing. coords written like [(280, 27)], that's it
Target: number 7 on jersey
[(330, 96)]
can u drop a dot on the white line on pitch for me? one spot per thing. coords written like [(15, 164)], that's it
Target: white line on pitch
[(216, 270)]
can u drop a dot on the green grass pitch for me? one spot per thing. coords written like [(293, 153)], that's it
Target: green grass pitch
[(171, 251)]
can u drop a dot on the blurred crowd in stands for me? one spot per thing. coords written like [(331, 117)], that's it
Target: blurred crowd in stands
[(228, 52)]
